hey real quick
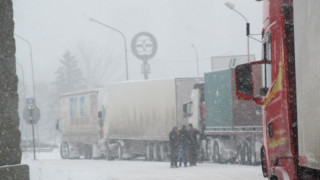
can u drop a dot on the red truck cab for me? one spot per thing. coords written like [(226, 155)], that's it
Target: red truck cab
[(279, 153), (289, 89)]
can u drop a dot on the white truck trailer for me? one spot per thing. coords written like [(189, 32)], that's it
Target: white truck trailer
[(80, 125), (140, 115), (125, 120)]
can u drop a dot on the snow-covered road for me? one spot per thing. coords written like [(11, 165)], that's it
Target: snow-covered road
[(50, 166)]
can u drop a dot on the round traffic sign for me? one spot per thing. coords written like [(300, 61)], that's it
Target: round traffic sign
[(31, 115), (144, 46)]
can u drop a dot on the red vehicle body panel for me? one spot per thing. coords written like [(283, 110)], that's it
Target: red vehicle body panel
[(280, 155), (279, 103)]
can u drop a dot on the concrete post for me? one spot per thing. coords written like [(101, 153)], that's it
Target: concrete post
[(10, 137)]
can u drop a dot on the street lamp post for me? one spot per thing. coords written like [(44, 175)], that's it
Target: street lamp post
[(33, 89), (23, 88), (197, 56), (24, 93), (124, 40), (31, 61), (232, 7)]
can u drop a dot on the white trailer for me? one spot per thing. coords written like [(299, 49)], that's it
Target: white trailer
[(79, 123), (127, 119), (307, 64), (140, 115)]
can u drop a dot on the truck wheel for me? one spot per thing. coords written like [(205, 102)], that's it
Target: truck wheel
[(155, 152), (201, 155), (210, 149), (253, 160), (148, 152), (246, 154), (108, 152), (120, 152), (216, 153), (263, 162), (88, 151), (239, 155), (64, 150), (162, 152)]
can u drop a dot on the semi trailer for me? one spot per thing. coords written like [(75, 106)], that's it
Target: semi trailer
[(80, 125), (140, 115), (231, 128), (124, 120)]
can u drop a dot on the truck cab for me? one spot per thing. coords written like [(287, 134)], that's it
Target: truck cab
[(285, 153), (194, 109)]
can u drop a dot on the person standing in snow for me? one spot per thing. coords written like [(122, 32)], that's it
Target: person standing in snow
[(193, 145), (184, 146), (174, 146)]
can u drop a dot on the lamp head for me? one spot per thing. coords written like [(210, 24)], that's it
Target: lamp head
[(230, 5)]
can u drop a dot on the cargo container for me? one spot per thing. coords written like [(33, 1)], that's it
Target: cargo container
[(140, 115), (79, 123), (231, 128), (124, 120)]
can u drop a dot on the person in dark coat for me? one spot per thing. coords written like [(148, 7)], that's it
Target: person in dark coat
[(174, 146), (193, 145), (184, 146)]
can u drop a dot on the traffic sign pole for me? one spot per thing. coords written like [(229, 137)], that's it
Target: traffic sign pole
[(34, 143), (33, 139), (144, 46), (32, 115)]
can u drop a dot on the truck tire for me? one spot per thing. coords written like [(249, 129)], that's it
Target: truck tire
[(239, 159), (162, 152), (263, 162), (201, 155), (148, 153), (216, 153), (156, 152), (246, 154), (108, 152), (253, 159), (64, 150), (120, 152), (88, 151), (210, 149)]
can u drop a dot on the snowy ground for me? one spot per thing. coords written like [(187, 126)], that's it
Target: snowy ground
[(49, 166)]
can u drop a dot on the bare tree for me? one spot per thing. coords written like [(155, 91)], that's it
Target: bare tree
[(99, 66), (69, 75)]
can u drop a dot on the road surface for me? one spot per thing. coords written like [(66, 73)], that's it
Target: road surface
[(49, 166)]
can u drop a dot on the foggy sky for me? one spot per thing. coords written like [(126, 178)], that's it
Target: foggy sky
[(54, 26)]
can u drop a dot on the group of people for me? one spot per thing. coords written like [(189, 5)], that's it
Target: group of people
[(183, 146)]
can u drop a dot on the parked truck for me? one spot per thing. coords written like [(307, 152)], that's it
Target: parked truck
[(140, 115), (124, 120), (289, 93), (231, 128), (80, 124)]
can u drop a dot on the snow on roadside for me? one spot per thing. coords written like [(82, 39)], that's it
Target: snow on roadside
[(50, 166)]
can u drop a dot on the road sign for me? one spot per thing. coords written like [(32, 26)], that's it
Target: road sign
[(144, 46), (30, 101), (31, 113)]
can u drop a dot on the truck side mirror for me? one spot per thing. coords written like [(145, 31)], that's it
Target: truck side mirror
[(243, 80), (264, 91), (100, 115), (249, 80), (187, 109), (58, 125)]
